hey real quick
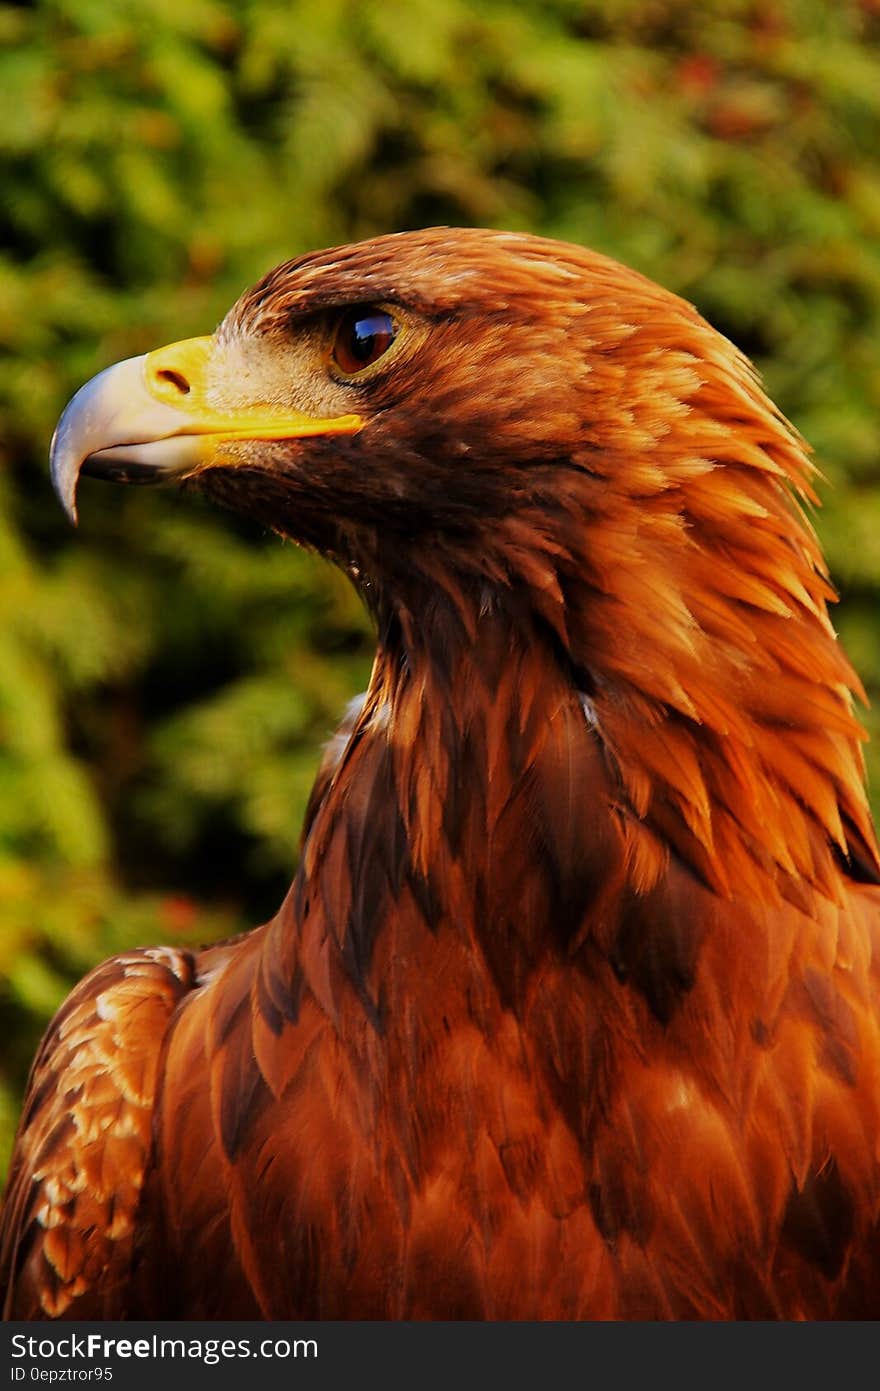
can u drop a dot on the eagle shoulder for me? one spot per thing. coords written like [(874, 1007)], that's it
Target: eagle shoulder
[(85, 1139)]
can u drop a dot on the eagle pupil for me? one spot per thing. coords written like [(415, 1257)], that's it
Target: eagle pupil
[(362, 337)]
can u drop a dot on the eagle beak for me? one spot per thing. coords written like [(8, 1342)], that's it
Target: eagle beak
[(149, 420)]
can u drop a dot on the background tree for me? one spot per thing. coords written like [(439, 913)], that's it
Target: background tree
[(167, 675)]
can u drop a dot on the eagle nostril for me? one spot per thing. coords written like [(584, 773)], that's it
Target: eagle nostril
[(176, 380)]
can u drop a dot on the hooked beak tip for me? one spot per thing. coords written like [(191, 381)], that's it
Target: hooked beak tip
[(64, 471)]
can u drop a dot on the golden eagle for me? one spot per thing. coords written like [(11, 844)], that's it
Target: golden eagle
[(571, 1011)]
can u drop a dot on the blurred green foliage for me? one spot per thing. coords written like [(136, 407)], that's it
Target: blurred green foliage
[(167, 675)]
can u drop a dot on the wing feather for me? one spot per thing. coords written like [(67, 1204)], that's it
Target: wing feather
[(85, 1140)]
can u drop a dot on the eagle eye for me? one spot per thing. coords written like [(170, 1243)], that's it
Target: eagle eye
[(361, 337)]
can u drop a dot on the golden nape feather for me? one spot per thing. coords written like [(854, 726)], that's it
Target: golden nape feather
[(571, 1011)]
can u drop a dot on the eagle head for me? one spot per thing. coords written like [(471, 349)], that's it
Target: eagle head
[(409, 391)]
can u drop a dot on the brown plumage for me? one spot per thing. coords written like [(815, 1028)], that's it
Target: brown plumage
[(572, 1008)]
